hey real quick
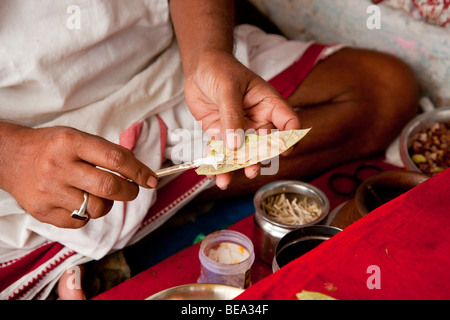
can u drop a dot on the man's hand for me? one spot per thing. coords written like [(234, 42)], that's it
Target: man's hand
[(229, 99), (47, 170)]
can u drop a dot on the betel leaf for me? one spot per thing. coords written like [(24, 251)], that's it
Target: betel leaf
[(312, 295), (255, 149)]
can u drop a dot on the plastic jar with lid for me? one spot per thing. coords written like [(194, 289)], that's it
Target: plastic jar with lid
[(226, 257)]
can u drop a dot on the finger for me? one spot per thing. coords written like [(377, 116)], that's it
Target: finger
[(288, 151), (71, 199), (96, 207), (223, 180), (61, 218), (234, 138), (232, 118), (66, 289), (103, 184), (102, 153), (284, 117), (252, 171)]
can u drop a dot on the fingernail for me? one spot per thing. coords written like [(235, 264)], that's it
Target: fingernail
[(152, 182), (254, 174), (222, 187), (234, 140)]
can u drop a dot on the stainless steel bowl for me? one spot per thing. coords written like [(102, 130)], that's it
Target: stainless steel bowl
[(300, 241), (266, 232), (416, 125), (198, 291)]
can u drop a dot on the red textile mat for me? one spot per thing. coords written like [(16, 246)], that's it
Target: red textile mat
[(402, 246), (184, 266)]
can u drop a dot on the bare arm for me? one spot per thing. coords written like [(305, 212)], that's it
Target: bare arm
[(202, 27), (204, 32)]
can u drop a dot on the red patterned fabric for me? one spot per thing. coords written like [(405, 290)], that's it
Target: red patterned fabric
[(436, 12)]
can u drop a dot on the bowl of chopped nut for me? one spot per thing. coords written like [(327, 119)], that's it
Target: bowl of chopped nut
[(281, 207), (425, 142)]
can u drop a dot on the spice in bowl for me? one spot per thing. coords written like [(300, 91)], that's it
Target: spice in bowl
[(291, 209), (430, 149)]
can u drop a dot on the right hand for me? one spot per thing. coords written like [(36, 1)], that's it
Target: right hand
[(229, 99), (47, 170)]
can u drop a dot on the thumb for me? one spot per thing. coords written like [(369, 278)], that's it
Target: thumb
[(232, 119), (284, 116)]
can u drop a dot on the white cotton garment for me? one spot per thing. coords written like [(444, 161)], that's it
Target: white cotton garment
[(122, 61), (120, 67)]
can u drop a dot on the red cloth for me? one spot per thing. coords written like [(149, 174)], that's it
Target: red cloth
[(407, 239)]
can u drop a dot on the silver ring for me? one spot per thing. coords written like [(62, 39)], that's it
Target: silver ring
[(81, 213)]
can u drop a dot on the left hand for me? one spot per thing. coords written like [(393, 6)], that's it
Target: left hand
[(228, 99)]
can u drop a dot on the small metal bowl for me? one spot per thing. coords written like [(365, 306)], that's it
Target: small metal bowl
[(267, 232), (418, 124), (300, 241)]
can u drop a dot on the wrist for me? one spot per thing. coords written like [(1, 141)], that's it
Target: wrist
[(206, 60), (11, 136), (212, 29)]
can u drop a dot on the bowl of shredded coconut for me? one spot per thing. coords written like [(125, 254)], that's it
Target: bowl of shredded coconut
[(281, 207)]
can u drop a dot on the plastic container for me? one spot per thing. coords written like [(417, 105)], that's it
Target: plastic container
[(232, 273)]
